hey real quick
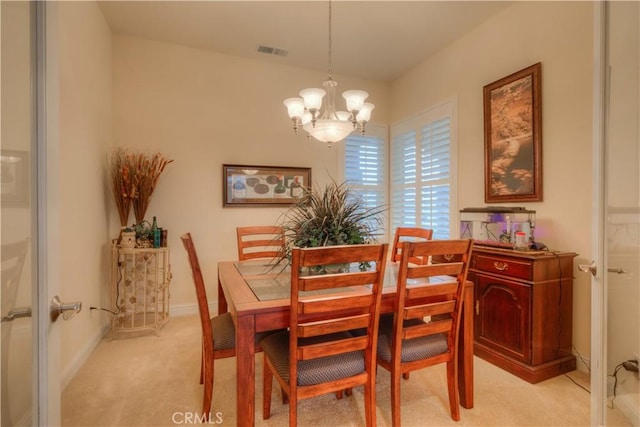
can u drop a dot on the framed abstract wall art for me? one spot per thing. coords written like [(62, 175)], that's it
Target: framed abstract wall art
[(246, 185)]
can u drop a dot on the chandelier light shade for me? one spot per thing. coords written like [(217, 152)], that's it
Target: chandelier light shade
[(321, 120)]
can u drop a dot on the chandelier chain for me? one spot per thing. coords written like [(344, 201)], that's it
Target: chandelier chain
[(330, 44), (320, 119)]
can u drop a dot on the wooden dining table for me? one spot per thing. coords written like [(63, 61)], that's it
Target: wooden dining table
[(258, 298)]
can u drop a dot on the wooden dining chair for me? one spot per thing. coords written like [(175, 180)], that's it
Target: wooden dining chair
[(261, 241), (404, 234), (218, 332), (319, 355), (424, 328)]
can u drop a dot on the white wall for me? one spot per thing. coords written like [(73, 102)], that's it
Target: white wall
[(205, 109), (558, 34), (82, 196)]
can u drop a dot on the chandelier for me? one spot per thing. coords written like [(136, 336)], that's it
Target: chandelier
[(323, 122)]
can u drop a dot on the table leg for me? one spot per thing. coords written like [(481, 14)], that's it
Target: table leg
[(222, 300), (245, 363), (465, 350)]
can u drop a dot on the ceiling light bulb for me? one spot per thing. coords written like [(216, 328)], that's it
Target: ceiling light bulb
[(295, 107), (355, 99), (312, 98), (364, 115)]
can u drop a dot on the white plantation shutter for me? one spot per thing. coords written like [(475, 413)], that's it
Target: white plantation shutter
[(365, 167), (404, 208), (422, 171)]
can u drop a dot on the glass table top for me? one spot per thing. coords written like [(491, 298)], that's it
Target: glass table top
[(269, 282)]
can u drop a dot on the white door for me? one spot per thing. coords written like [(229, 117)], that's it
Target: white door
[(18, 212), (30, 392), (616, 283)]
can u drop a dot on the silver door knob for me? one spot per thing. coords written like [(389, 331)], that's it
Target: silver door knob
[(589, 268), (67, 310)]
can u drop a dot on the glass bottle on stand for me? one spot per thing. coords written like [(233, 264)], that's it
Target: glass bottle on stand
[(155, 232)]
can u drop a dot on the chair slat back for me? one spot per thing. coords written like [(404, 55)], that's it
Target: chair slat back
[(337, 301), (433, 290), (198, 280), (404, 234), (262, 241)]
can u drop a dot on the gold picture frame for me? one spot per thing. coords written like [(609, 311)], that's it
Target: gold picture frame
[(247, 185), (513, 137)]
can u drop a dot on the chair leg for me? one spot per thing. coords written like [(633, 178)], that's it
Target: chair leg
[(202, 365), (395, 398), (452, 385), (349, 391), (339, 394), (267, 386), (293, 411), (207, 364), (370, 401)]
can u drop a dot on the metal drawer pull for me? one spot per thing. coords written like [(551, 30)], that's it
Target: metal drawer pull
[(502, 266), (448, 257)]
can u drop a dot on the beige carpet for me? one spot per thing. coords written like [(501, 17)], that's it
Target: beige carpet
[(153, 381)]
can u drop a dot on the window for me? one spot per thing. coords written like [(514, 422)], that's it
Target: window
[(423, 171), (365, 166)]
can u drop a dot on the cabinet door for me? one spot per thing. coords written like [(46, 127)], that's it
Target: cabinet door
[(503, 316)]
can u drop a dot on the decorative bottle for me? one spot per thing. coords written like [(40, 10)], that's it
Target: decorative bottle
[(239, 188), (280, 190), (155, 231)]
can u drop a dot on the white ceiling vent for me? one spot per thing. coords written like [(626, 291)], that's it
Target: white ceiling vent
[(272, 50)]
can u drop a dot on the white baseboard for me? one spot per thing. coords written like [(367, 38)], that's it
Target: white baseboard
[(582, 363), (81, 357), (625, 402), (190, 309)]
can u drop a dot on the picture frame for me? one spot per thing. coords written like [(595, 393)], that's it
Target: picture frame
[(513, 137), (14, 181), (248, 185)]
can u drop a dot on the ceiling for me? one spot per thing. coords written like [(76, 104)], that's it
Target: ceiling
[(377, 40)]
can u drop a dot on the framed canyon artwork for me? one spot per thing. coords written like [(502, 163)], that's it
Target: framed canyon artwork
[(513, 137)]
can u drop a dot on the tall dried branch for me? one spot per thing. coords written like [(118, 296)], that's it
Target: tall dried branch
[(120, 164), (148, 169), (134, 176)]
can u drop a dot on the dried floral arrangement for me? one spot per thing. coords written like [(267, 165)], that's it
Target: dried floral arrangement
[(134, 176)]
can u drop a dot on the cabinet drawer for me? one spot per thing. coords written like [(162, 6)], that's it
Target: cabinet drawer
[(503, 266)]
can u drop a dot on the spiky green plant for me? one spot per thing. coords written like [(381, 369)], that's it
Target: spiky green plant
[(333, 215)]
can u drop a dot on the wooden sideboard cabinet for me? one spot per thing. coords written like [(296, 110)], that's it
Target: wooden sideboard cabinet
[(140, 280), (523, 311)]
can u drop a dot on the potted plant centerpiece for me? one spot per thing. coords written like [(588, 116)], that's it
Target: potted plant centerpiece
[(333, 215)]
